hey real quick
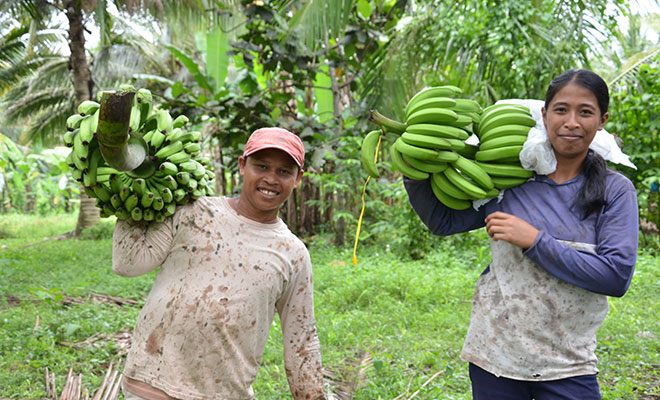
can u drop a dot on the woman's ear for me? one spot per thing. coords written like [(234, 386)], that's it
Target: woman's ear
[(603, 119), (543, 113)]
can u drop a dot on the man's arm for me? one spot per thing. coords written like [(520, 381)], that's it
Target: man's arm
[(139, 247), (302, 353)]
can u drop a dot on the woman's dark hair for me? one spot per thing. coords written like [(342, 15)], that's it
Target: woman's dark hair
[(592, 194)]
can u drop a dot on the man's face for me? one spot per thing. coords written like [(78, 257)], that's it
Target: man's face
[(269, 177)]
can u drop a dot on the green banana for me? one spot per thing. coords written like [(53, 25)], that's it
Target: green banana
[(147, 199), (158, 204), (465, 184), (504, 130), (415, 151), (431, 142), (498, 153), (77, 175), (116, 184), (156, 140), (169, 209), (405, 169), (73, 121), (443, 131), (168, 181), (179, 194), (189, 166), (183, 177), (468, 151), (136, 214), (168, 150), (180, 121), (435, 91), (368, 152), (102, 192), (192, 136), (474, 171), (467, 106), (87, 130), (433, 115), (432, 102), (122, 213), (94, 160), (505, 170), (134, 121), (131, 202), (447, 200), (168, 168), (503, 141), (164, 121), (179, 157), (446, 156), (461, 121), (175, 135), (500, 109), (492, 107), (139, 186), (69, 160), (68, 137), (192, 148), (116, 202), (506, 119), (426, 165), (103, 170), (88, 107), (448, 187), (502, 182)]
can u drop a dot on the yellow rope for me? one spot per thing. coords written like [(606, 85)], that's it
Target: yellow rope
[(364, 190)]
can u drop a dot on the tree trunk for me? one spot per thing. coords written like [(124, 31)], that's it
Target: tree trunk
[(82, 84)]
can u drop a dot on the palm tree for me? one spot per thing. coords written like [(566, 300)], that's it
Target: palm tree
[(63, 100)]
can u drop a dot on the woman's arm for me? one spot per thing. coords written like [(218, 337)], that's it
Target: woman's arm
[(440, 219), (610, 269)]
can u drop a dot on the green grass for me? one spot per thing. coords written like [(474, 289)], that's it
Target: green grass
[(386, 326)]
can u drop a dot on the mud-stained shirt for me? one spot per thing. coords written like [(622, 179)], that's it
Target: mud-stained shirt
[(536, 311), (203, 328)]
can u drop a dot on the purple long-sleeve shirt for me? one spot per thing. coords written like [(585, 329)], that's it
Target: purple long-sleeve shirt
[(550, 208)]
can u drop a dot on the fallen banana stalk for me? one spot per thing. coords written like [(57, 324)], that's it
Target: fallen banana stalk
[(74, 390)]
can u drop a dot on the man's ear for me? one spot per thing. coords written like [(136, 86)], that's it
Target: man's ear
[(299, 177), (241, 165)]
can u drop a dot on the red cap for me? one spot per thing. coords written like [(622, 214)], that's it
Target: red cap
[(276, 138)]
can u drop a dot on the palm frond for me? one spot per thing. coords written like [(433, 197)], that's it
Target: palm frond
[(628, 72), (318, 21)]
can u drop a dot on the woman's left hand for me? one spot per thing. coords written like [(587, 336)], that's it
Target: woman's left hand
[(507, 227)]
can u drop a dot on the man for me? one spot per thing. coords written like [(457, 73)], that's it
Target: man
[(227, 264)]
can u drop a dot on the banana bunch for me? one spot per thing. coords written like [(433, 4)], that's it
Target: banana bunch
[(431, 144), (182, 174), (502, 131)]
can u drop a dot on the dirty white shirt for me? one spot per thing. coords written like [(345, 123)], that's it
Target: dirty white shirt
[(202, 330)]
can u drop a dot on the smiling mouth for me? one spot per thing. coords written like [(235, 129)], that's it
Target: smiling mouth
[(268, 192), (570, 137)]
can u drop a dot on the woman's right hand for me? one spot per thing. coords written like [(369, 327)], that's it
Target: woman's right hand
[(507, 227)]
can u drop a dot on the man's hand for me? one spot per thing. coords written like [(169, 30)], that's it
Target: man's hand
[(507, 227)]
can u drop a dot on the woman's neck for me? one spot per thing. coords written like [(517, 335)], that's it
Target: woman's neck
[(567, 169)]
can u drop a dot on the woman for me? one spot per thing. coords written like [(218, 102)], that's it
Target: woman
[(560, 245)]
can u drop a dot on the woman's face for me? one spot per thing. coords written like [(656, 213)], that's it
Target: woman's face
[(572, 119)]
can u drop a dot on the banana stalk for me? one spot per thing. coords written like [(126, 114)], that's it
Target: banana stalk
[(389, 124), (120, 150)]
